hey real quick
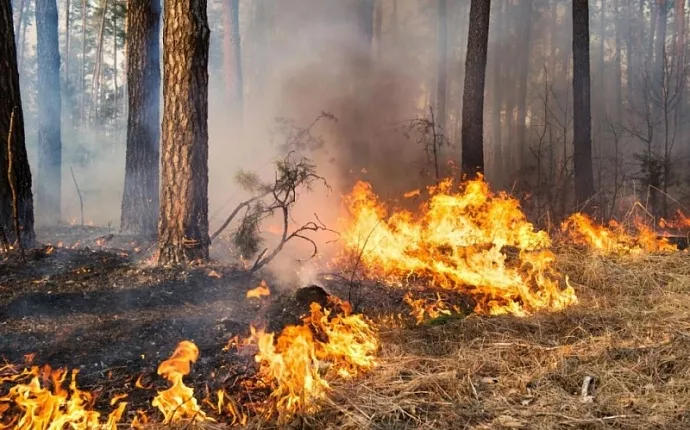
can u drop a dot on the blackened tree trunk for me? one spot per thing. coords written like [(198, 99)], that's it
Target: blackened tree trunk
[(233, 57), (582, 119), (140, 200), (13, 128), (473, 96), (48, 187), (442, 60), (183, 224)]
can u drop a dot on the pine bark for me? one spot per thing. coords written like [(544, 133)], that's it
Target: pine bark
[(233, 57), (140, 199), (183, 224), (582, 119), (473, 95), (49, 175), (11, 102)]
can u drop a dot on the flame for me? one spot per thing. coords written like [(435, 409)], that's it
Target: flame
[(614, 239), (458, 241), (434, 309), (298, 365), (261, 291), (39, 407), (178, 402)]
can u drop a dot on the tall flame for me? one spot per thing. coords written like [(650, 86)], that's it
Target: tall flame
[(178, 402), (458, 240)]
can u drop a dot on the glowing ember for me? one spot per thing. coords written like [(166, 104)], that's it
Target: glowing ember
[(178, 402), (261, 291), (293, 365), (35, 406), (422, 307), (614, 239), (459, 241)]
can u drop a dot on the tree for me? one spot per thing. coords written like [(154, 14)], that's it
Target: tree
[(442, 60), (140, 201), (233, 56), (48, 189), (183, 224), (12, 141), (473, 96), (582, 119)]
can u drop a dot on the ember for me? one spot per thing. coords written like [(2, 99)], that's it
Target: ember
[(261, 291)]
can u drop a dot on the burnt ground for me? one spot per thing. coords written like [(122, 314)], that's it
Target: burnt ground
[(92, 300)]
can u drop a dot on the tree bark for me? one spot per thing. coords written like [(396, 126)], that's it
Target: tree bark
[(82, 96), (67, 41), (11, 103), (183, 224), (48, 187), (233, 57), (582, 119), (20, 19), (617, 73), (115, 87), (97, 72), (473, 96), (140, 199), (497, 91), (442, 64), (525, 40)]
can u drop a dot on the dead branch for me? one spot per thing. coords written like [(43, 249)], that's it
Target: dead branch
[(233, 214), (81, 201), (11, 178)]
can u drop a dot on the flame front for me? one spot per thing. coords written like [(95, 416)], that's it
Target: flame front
[(178, 402), (299, 364), (261, 291), (459, 241), (49, 406)]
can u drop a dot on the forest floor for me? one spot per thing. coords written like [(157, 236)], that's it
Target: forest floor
[(95, 304)]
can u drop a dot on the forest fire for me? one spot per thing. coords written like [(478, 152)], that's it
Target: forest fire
[(471, 240), (614, 238)]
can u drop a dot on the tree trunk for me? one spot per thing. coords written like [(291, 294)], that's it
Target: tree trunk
[(679, 38), (441, 62), (23, 16), (20, 18), (602, 103), (48, 187), (13, 125), (525, 40), (140, 200), (233, 57), (618, 79), (97, 72), (183, 224), (67, 42), (582, 119), (473, 96), (497, 91), (82, 95), (115, 88), (631, 64)]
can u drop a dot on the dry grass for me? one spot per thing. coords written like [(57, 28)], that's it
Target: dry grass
[(630, 332)]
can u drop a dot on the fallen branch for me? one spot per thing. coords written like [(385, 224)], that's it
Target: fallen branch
[(13, 189), (234, 213), (81, 201)]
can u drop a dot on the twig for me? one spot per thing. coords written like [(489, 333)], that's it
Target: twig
[(13, 188), (81, 201), (359, 258), (234, 213)]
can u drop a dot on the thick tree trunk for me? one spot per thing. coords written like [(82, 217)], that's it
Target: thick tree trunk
[(442, 64), (233, 57), (140, 200), (473, 95), (525, 40), (49, 175), (582, 119), (67, 41), (12, 129), (183, 224)]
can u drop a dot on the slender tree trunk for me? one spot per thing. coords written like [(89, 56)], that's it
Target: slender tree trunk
[(82, 93), (652, 33), (48, 187), (233, 57), (442, 64), (582, 119), (183, 224), (97, 72), (20, 18), (140, 204), (525, 40), (618, 110), (12, 129), (601, 98), (115, 87), (473, 96), (631, 63), (497, 90), (67, 42), (22, 43)]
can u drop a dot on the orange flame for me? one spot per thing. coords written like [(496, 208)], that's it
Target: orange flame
[(293, 364), (458, 241), (42, 408), (178, 402), (261, 291), (614, 239)]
